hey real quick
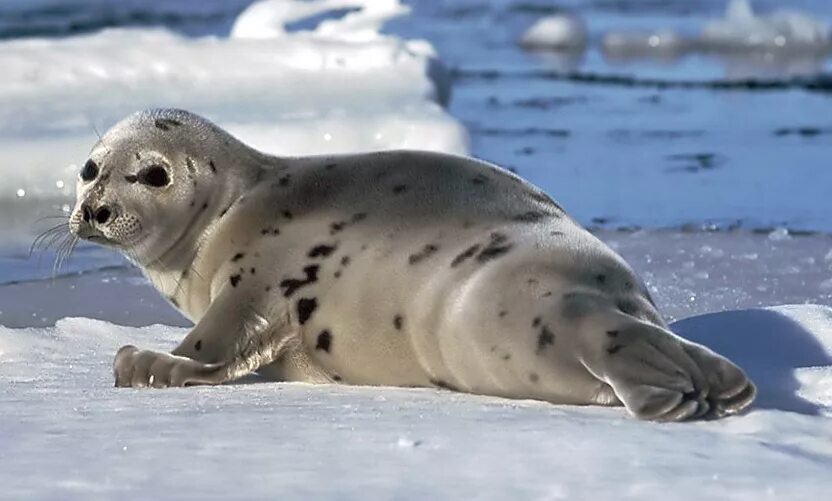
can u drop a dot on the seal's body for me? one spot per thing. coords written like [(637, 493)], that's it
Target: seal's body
[(397, 268)]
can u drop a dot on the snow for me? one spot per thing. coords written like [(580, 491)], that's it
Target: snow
[(564, 31), (336, 89), (63, 419)]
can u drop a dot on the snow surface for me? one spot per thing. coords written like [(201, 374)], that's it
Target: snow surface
[(334, 89), (67, 433)]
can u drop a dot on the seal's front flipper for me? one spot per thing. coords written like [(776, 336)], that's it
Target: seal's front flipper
[(142, 368), (235, 337)]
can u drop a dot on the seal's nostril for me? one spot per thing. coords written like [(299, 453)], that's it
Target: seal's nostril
[(87, 213), (103, 215)]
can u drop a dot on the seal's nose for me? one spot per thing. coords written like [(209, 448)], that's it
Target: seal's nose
[(103, 214), (100, 216)]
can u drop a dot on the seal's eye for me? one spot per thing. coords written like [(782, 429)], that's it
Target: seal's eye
[(155, 175), (90, 171)]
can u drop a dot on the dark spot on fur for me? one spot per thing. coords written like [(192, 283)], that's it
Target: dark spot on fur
[(533, 377), (329, 166), (425, 252), (601, 279), (321, 251), (336, 377), (443, 384), (253, 271), (290, 285), (556, 233), (544, 339), (287, 214), (205, 206), (480, 179), (193, 202), (612, 333), (398, 321), (529, 217), (284, 180), (336, 227), (502, 314), (324, 341), (268, 288), (536, 322), (131, 178), (234, 279), (399, 188), (337, 274), (198, 345), (627, 307), (345, 261), (212, 166), (138, 156), (237, 257), (506, 357), (546, 199), (612, 350), (359, 216), (546, 294), (306, 307), (496, 247), (190, 164), (466, 254), (166, 123), (493, 349), (628, 286)]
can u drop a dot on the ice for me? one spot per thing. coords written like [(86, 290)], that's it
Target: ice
[(563, 31), (783, 29), (66, 432), (788, 40), (362, 21), (336, 89)]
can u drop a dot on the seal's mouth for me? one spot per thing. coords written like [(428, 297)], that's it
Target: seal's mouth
[(92, 234)]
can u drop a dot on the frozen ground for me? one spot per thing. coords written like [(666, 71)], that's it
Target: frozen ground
[(672, 146), (67, 433)]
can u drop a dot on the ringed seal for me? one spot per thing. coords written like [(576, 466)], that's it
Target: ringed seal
[(400, 268)]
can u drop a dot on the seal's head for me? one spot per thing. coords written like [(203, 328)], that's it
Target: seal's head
[(155, 181)]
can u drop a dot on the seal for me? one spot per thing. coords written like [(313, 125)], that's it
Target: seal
[(399, 268)]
